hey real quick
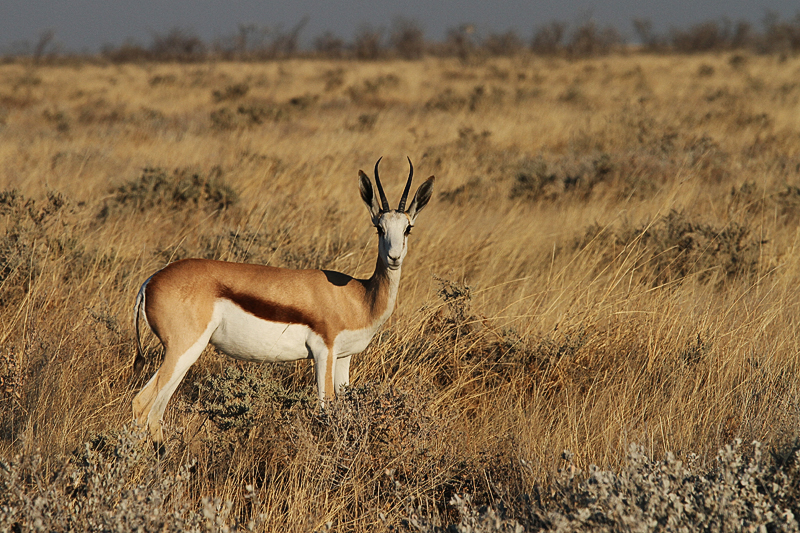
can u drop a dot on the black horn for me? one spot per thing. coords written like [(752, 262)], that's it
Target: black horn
[(402, 206), (384, 201)]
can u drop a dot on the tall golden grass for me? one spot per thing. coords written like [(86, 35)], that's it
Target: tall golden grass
[(609, 258)]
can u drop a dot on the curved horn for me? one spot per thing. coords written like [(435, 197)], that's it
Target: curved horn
[(384, 201), (402, 206)]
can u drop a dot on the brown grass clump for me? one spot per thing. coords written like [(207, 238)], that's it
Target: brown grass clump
[(610, 260)]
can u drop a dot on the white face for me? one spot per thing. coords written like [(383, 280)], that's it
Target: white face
[(393, 230), (393, 225)]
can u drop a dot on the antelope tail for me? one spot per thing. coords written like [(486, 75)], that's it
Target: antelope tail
[(139, 361)]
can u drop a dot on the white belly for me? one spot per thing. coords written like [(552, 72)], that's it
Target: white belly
[(249, 338)]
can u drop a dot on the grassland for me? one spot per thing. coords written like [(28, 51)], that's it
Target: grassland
[(610, 258)]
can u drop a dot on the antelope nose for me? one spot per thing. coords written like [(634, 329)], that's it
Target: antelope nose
[(393, 258)]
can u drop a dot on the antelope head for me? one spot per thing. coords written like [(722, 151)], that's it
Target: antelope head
[(393, 225)]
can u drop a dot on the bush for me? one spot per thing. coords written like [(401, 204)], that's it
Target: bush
[(407, 39), (588, 40), (112, 485), (368, 44), (28, 240), (329, 45), (128, 52), (180, 189), (503, 44), (548, 39), (238, 397), (676, 246), (370, 89), (535, 180), (532, 180), (231, 92), (460, 42), (714, 35), (781, 36), (649, 40), (711, 35), (177, 45), (736, 493)]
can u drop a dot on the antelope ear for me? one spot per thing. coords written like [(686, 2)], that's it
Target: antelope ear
[(368, 196), (421, 198)]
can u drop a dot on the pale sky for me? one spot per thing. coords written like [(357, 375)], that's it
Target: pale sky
[(86, 25)]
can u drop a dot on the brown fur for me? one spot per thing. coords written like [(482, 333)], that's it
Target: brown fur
[(328, 302)]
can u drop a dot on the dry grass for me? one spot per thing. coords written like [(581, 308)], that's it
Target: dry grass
[(610, 258)]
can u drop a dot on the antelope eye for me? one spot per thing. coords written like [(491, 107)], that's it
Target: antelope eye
[(408, 230), (380, 230)]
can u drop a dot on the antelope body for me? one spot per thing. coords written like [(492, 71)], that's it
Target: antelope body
[(267, 314)]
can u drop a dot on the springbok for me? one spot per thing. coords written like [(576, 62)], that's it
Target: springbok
[(262, 313)]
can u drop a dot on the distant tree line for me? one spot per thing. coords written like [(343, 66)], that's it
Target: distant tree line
[(406, 39)]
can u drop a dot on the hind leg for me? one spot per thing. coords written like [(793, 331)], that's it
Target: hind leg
[(143, 401), (150, 403)]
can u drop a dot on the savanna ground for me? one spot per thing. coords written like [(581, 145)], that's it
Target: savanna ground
[(610, 259)]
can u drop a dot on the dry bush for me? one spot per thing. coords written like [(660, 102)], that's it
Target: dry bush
[(127, 52), (778, 36), (407, 39), (548, 39), (181, 188), (588, 40), (256, 112), (368, 43), (371, 91), (460, 42), (261, 42), (177, 45), (781, 36), (503, 44), (268, 43), (231, 92), (675, 246), (734, 493), (108, 486), (703, 37), (329, 45), (34, 229), (649, 40)]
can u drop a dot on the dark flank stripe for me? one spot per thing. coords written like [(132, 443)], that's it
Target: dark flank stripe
[(265, 310)]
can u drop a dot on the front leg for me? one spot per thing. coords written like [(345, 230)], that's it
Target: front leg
[(341, 376), (325, 366)]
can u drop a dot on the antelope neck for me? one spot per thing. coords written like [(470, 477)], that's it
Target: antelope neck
[(381, 289)]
